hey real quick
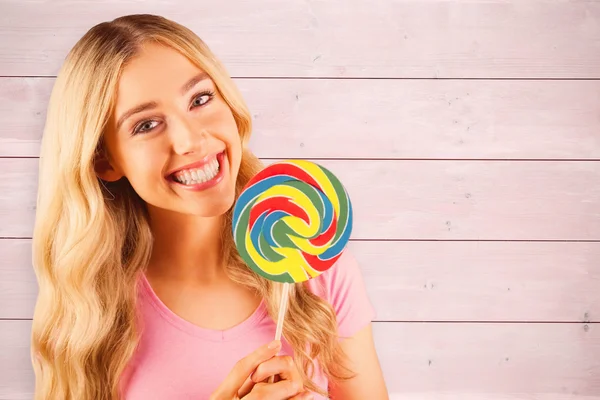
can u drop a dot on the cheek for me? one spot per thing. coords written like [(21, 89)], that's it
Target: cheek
[(230, 135), (236, 154), (143, 166)]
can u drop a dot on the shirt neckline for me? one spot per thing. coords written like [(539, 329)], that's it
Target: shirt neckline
[(192, 329)]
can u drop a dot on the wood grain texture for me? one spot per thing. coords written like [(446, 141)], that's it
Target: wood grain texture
[(17, 380), (490, 396), (455, 200), (481, 281), (18, 284), (341, 38), (423, 119), (490, 359), (473, 166), (423, 281), (479, 361)]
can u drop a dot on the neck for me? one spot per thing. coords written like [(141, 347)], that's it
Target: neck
[(186, 247)]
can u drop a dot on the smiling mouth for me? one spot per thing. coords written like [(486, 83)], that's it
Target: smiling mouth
[(200, 174)]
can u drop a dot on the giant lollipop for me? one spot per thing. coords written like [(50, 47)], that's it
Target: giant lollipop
[(291, 223)]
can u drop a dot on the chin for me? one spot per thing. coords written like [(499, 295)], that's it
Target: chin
[(213, 209)]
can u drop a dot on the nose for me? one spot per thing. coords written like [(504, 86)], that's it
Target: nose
[(185, 137)]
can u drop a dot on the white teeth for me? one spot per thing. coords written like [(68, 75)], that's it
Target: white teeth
[(198, 175)]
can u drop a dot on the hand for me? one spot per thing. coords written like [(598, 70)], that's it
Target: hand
[(288, 382), (245, 381)]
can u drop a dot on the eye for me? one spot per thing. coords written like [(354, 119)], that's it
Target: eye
[(202, 98), (145, 126)]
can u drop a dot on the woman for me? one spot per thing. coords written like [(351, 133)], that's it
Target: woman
[(141, 292)]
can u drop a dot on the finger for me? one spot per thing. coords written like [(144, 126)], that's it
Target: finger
[(246, 387), (283, 366), (275, 391), (306, 395), (242, 370)]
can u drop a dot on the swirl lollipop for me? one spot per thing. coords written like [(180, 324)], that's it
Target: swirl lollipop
[(291, 223)]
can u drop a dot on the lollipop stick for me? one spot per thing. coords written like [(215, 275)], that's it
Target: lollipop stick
[(282, 309)]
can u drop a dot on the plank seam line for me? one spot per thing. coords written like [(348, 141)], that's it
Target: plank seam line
[(394, 159), (518, 322), (372, 78), (423, 240), (484, 322)]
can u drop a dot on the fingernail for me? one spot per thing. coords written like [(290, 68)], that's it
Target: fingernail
[(274, 344)]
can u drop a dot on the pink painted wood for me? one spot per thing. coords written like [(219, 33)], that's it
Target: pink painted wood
[(424, 281), (518, 360), (444, 231), (18, 285), (424, 200), (478, 361), (341, 38), (458, 119)]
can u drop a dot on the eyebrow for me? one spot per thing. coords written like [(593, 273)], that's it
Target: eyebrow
[(192, 82), (152, 104), (142, 107)]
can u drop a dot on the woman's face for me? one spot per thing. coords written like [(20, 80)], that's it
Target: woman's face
[(173, 136)]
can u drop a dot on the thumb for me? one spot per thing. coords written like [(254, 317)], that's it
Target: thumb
[(228, 389)]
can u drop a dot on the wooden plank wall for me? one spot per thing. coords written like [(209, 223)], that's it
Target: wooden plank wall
[(466, 131)]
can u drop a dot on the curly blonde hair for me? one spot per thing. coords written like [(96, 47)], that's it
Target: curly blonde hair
[(92, 240)]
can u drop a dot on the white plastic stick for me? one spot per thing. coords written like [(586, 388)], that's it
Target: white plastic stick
[(285, 292), (283, 303)]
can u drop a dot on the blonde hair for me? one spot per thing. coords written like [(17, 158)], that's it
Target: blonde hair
[(91, 242)]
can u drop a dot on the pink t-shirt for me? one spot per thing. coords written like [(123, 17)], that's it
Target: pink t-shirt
[(178, 360)]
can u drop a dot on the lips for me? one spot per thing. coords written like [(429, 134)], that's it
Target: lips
[(198, 164)]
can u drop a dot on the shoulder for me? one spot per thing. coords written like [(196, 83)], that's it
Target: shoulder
[(343, 286)]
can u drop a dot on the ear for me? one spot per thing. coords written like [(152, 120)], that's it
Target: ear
[(105, 169)]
